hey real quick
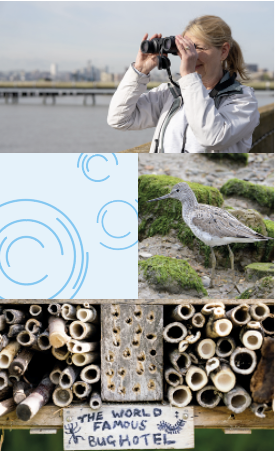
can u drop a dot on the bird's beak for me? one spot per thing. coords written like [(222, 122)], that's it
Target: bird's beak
[(160, 198)]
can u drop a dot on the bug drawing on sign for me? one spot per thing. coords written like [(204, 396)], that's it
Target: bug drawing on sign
[(73, 430)]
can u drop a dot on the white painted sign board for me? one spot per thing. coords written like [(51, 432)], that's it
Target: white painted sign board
[(127, 427)]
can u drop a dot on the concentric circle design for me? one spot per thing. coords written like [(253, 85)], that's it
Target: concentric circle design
[(41, 248), (87, 161), (117, 242)]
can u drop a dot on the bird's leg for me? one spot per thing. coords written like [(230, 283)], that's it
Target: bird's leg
[(231, 256), (213, 259)]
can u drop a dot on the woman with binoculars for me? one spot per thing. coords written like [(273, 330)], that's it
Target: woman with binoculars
[(207, 110)]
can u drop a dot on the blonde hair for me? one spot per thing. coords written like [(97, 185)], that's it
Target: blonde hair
[(215, 32)]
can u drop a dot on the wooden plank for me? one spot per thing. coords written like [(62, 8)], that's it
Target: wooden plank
[(131, 353), (162, 301), (126, 427), (237, 431), (218, 418)]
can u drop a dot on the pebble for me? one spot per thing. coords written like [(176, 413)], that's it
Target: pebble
[(205, 281)]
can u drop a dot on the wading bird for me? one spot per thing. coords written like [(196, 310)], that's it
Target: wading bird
[(212, 225)]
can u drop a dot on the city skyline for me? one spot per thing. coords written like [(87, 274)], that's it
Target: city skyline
[(71, 33)]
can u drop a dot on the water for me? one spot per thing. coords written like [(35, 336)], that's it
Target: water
[(70, 127)]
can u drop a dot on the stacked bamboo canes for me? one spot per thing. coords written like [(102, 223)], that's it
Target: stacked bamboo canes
[(48, 352), (216, 356)]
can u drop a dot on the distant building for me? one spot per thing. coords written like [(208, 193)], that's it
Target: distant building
[(106, 77), (252, 67), (54, 70)]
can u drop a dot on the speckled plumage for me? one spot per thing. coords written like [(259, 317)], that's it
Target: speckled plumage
[(212, 225)]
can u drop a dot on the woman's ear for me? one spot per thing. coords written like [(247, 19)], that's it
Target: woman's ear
[(225, 51)]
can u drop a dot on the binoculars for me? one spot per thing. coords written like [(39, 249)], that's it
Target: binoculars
[(159, 45)]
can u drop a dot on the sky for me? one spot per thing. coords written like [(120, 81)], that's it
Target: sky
[(35, 34)]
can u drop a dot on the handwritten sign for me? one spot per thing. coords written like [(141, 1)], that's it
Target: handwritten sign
[(126, 427)]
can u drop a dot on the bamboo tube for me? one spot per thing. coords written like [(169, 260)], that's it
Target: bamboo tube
[(268, 325), (7, 406), (27, 339), (198, 320), (57, 332), (194, 358), (223, 378), (193, 338), (4, 379), (3, 322), (206, 348), (43, 341), (81, 389), (36, 311), (180, 396), (54, 309), (218, 325), (237, 400), (90, 374), (243, 361), (183, 345), (8, 353), (208, 397), (183, 312), (180, 361), (3, 341), (75, 346), (80, 330), (196, 378), (174, 332), (19, 365), (5, 393), (14, 316), (68, 312), (239, 315), (225, 346), (62, 397), (56, 372), (86, 305), (21, 390), (209, 307), (258, 409), (15, 329), (82, 359), (173, 377), (95, 401), (259, 311), (87, 315), (33, 326), (211, 365), (68, 377), (61, 353), (36, 400), (251, 338), (69, 360)]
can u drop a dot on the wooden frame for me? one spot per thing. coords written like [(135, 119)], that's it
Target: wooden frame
[(50, 417)]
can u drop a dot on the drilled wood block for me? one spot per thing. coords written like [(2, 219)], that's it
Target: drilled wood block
[(131, 353)]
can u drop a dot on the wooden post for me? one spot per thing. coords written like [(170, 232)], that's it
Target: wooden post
[(131, 352)]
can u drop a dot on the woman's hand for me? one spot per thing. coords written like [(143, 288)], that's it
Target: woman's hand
[(146, 62), (188, 55)]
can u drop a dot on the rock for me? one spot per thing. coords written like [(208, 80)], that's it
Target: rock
[(145, 255), (256, 271), (205, 281), (263, 289), (171, 275), (241, 158), (264, 195)]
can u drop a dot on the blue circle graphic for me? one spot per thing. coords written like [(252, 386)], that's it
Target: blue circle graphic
[(85, 164), (109, 234), (78, 268)]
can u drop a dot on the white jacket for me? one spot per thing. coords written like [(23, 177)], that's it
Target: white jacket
[(222, 125)]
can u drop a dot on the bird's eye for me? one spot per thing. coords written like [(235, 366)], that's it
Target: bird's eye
[(178, 190)]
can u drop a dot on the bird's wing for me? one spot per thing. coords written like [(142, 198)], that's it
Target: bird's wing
[(219, 223)]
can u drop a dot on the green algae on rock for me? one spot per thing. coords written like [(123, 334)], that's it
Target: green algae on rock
[(264, 195), (170, 274), (256, 271), (263, 289), (269, 249), (237, 157)]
